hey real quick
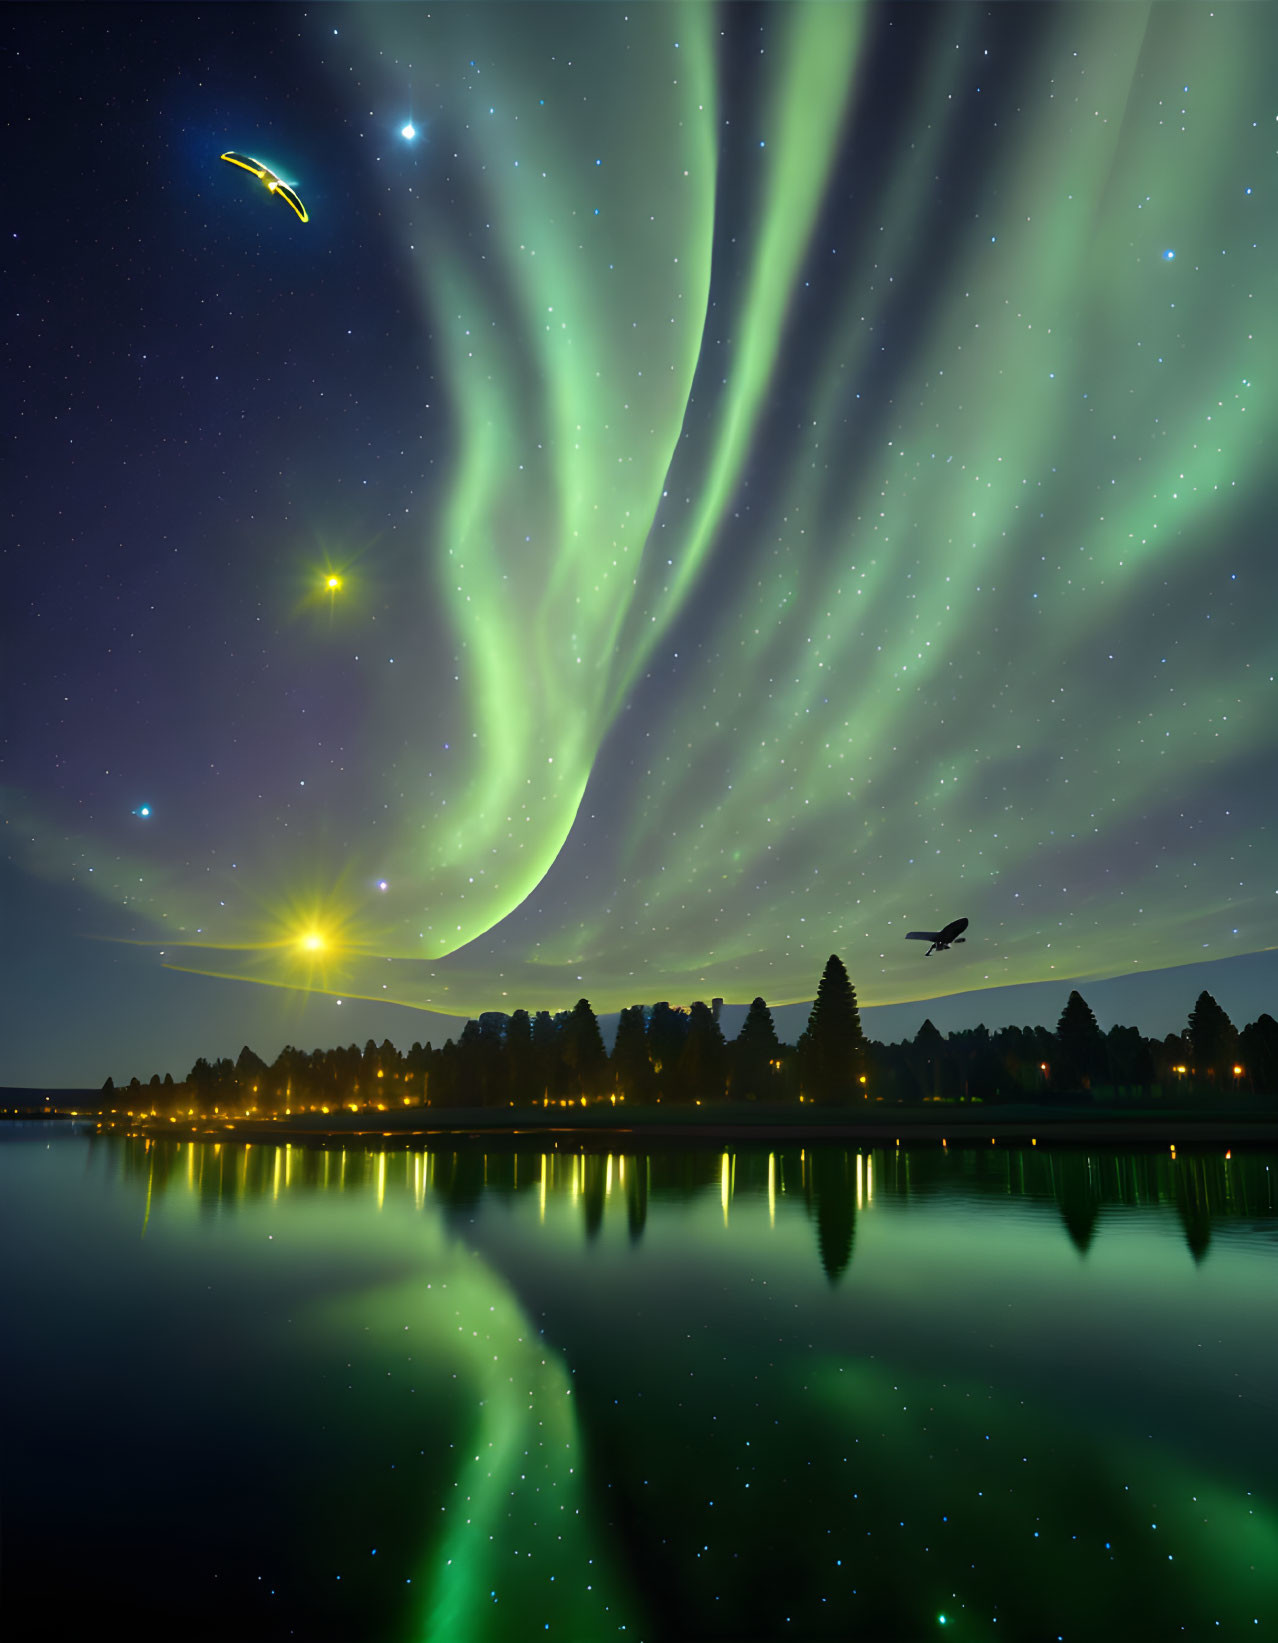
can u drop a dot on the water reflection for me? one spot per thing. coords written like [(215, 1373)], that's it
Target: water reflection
[(830, 1186), (720, 1393)]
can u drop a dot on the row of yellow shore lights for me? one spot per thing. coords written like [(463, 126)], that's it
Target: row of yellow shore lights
[(380, 1106)]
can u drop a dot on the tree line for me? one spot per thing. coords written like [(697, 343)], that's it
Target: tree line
[(665, 1053)]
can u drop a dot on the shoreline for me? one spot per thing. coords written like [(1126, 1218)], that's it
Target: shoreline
[(507, 1128)]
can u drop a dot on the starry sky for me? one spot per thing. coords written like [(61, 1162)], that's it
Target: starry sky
[(707, 487)]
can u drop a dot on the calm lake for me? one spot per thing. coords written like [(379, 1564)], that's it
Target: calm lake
[(1001, 1392)]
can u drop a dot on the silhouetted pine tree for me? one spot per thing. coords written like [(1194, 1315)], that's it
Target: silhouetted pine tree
[(754, 1054), (548, 1068), (521, 1078), (583, 1051), (832, 1048), (702, 1071), (1213, 1040), (1258, 1052), (667, 1029), (631, 1062), (1080, 1054), (926, 1058)]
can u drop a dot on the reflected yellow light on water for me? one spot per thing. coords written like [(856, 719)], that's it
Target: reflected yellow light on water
[(279, 1170), (608, 1178), (724, 1177), (381, 1179), (543, 1186), (150, 1177), (869, 1178), (772, 1189), (860, 1181)]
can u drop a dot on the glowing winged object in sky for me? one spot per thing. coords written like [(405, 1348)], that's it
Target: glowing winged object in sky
[(269, 178)]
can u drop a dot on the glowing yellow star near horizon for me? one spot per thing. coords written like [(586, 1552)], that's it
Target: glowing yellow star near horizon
[(273, 183)]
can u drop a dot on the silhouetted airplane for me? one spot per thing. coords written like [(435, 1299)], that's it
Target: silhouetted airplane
[(940, 939)]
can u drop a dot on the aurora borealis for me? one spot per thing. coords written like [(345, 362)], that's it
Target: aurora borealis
[(737, 484)]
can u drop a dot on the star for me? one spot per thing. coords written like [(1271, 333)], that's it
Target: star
[(408, 132)]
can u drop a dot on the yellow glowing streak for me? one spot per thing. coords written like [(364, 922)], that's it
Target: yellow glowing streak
[(255, 168), (333, 584)]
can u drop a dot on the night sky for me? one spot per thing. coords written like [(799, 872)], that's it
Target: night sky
[(730, 486)]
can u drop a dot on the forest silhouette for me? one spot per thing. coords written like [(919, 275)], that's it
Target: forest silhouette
[(666, 1054)]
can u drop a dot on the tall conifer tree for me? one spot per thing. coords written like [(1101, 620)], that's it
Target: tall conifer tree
[(832, 1049)]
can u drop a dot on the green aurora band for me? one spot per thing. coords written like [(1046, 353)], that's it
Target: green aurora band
[(820, 564)]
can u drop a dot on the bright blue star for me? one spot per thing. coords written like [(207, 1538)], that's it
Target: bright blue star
[(143, 810), (408, 132), (1169, 255)]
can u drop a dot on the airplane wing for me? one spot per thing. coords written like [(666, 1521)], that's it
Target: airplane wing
[(923, 935)]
